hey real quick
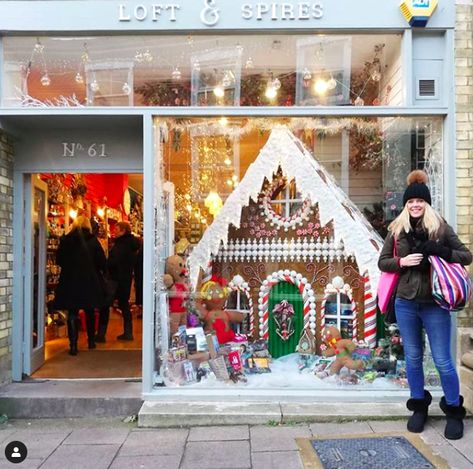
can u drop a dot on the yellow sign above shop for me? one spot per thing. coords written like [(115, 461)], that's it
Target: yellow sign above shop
[(418, 12)]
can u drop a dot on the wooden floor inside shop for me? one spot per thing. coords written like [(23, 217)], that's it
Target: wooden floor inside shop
[(112, 359)]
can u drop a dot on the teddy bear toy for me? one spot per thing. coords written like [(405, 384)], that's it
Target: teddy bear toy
[(342, 349), (213, 296), (178, 292)]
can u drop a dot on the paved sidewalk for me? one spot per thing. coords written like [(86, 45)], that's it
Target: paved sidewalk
[(113, 444)]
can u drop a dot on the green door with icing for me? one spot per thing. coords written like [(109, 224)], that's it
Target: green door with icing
[(285, 291)]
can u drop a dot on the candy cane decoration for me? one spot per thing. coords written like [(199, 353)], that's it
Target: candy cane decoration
[(331, 290), (237, 284), (305, 290), (369, 313)]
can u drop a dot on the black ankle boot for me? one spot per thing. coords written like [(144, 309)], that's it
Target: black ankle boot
[(73, 348), (455, 416), (420, 407)]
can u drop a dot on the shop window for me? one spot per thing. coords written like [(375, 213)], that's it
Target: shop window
[(204, 70), (276, 228)]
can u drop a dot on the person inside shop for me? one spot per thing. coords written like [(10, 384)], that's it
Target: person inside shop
[(121, 262), (82, 261), (419, 231), (109, 288), (138, 277)]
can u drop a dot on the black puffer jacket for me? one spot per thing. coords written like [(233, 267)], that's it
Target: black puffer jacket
[(414, 282), (121, 262), (82, 263)]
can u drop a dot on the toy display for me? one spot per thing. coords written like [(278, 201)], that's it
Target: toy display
[(291, 261), (178, 291), (213, 296), (342, 349)]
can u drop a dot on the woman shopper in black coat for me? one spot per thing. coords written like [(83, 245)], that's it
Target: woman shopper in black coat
[(121, 262), (82, 263)]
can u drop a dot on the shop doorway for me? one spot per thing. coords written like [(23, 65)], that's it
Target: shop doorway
[(55, 202)]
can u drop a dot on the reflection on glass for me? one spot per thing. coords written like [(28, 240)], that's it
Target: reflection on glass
[(261, 70), (268, 263)]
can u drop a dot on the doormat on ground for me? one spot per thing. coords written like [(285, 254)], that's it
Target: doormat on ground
[(379, 451)]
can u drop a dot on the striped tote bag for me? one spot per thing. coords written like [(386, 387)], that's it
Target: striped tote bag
[(451, 284)]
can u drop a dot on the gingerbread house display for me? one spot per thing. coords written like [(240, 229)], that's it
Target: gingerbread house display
[(295, 248)]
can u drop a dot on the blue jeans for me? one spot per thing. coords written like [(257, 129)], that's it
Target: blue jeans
[(411, 318)]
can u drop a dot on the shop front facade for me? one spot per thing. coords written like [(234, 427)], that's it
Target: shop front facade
[(273, 139)]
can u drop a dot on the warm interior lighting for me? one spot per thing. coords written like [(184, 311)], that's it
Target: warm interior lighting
[(73, 213), (320, 86), (219, 91), (100, 212), (213, 202), (223, 121), (271, 92)]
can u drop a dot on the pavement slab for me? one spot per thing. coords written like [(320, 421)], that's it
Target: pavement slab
[(237, 432), (146, 462), (454, 458), (280, 438), (277, 460), (97, 436), (344, 428), (81, 456), (40, 445), (155, 442), (217, 455)]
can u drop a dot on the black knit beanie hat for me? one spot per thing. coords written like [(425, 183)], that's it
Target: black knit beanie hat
[(417, 188)]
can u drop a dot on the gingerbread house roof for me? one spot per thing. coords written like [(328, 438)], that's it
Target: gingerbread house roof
[(284, 150)]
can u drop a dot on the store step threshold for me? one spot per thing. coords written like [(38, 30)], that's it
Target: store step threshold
[(70, 398)]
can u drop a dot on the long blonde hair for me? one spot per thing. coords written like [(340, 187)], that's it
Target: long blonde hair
[(431, 222), (81, 222)]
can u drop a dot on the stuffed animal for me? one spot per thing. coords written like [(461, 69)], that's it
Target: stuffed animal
[(213, 296), (178, 292), (342, 349)]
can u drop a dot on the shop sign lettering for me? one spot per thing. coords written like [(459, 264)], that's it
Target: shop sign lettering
[(74, 149), (210, 13)]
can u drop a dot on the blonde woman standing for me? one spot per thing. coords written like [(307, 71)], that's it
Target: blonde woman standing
[(419, 231)]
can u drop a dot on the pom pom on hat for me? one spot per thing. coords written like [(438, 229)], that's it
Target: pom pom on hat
[(418, 176), (417, 188)]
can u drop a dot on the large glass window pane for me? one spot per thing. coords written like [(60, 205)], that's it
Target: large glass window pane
[(278, 225), (251, 70)]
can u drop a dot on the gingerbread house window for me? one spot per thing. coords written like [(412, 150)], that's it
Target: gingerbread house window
[(339, 313), (237, 301), (285, 199)]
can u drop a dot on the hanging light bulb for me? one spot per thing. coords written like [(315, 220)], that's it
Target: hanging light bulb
[(227, 161), (38, 47), (306, 75), (227, 79), (213, 202), (79, 78), (176, 74), (234, 178), (126, 88), (320, 86), (359, 101), (94, 86), (376, 75), (249, 63), (219, 92), (223, 121), (147, 57), (270, 92), (100, 212), (45, 80), (276, 84), (331, 83)]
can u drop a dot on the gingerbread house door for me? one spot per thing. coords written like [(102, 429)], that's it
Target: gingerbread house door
[(283, 338)]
